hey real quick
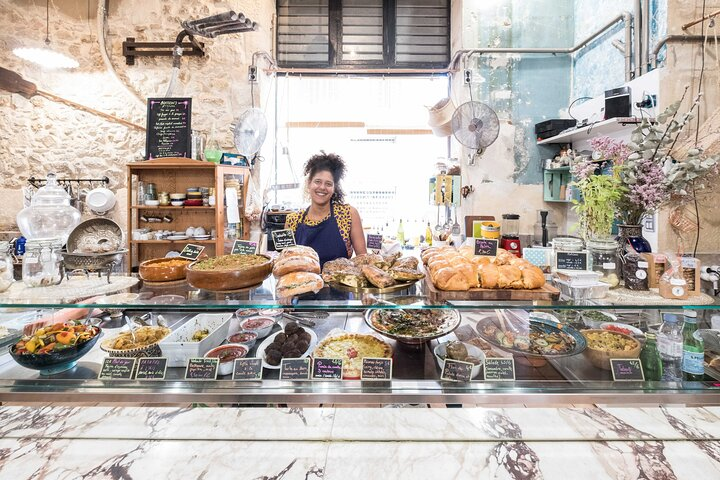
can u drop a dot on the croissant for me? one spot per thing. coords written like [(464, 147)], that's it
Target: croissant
[(450, 279)]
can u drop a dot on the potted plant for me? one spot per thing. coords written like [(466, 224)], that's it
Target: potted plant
[(599, 195)]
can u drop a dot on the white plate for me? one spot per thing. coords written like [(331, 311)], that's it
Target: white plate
[(202, 237), (177, 237), (634, 330), (261, 349)]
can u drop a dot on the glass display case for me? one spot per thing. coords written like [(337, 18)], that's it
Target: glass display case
[(528, 352)]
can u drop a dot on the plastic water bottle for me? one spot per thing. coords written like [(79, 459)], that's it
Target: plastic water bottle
[(670, 346)]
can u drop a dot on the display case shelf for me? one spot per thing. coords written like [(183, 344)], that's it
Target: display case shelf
[(586, 132)]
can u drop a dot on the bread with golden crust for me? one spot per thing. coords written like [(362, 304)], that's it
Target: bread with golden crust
[(509, 277), (449, 278), (488, 275), (533, 277)]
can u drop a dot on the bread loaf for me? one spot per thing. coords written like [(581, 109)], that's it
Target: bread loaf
[(450, 279), (533, 277), (292, 264), (299, 250)]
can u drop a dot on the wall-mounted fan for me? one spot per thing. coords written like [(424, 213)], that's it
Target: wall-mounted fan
[(475, 125), (250, 131)]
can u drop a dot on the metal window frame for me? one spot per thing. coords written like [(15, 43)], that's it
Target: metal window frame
[(335, 44)]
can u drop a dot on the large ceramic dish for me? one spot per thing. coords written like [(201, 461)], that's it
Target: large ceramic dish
[(151, 272), (180, 346), (97, 235), (600, 358), (149, 350), (395, 323), (352, 348), (56, 362), (224, 280), (391, 289), (261, 348), (570, 341)]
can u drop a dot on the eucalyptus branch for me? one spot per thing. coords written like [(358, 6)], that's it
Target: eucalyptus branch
[(686, 117), (670, 124)]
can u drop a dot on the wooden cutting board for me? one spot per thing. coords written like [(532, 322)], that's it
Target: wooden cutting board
[(546, 292)]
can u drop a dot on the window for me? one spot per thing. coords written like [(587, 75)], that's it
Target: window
[(363, 33)]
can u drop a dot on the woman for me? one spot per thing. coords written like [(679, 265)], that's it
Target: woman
[(328, 225)]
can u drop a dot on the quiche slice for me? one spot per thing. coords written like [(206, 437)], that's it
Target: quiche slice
[(352, 348)]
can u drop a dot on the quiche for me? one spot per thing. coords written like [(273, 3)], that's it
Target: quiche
[(352, 348)]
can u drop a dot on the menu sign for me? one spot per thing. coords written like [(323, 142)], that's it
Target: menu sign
[(376, 369), (327, 368), (486, 247), (295, 369), (151, 368), (283, 239), (168, 128), (571, 260), (202, 369), (501, 369), (244, 247), (374, 242), (117, 368), (627, 369), (456, 371), (247, 369), (192, 252)]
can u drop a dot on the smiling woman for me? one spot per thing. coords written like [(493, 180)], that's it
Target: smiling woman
[(328, 225)]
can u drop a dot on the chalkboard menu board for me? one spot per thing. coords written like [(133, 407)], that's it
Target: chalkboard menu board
[(202, 368), (627, 369), (191, 252), (283, 239), (117, 368), (244, 247), (376, 369), (247, 369), (486, 247), (294, 369), (499, 369), (374, 242), (571, 260), (456, 371), (151, 368), (327, 368), (168, 127)]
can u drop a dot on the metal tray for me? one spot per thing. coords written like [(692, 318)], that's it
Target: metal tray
[(452, 321), (391, 289)]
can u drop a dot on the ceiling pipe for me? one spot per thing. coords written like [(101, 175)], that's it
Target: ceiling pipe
[(672, 38), (625, 17), (637, 46), (645, 39)]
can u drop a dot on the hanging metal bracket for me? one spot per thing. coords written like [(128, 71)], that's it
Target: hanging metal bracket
[(132, 49)]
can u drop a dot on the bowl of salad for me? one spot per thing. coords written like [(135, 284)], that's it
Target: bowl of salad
[(55, 348)]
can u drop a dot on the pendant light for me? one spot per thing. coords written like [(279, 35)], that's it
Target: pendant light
[(46, 57)]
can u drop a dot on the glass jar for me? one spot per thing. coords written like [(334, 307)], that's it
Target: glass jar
[(42, 263), (50, 214), (565, 244), (6, 266), (603, 260), (635, 272)]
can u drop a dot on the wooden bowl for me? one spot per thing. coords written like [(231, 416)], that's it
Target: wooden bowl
[(601, 358), (150, 272), (224, 280)]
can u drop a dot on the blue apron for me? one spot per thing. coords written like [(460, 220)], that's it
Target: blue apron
[(324, 237)]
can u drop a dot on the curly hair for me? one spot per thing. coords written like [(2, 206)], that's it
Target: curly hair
[(327, 162)]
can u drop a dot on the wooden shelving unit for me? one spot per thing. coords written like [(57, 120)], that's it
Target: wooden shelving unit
[(175, 175)]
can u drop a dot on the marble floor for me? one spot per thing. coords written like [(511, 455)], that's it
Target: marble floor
[(359, 443)]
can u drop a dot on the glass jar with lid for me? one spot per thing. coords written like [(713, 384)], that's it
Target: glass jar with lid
[(603, 260), (50, 214), (42, 263), (6, 266), (565, 244)]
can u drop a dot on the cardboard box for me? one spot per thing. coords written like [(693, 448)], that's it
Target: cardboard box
[(691, 274), (657, 263)]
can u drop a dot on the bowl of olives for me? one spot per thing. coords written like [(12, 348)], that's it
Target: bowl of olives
[(460, 351)]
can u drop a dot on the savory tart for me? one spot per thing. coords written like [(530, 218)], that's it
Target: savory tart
[(352, 348)]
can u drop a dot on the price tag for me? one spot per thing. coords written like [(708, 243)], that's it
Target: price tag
[(202, 369), (376, 369), (374, 242), (627, 369), (151, 368), (501, 369), (244, 247), (486, 246), (608, 266), (689, 262), (283, 239), (192, 252), (456, 371), (117, 368), (327, 368), (295, 369), (571, 260), (247, 369)]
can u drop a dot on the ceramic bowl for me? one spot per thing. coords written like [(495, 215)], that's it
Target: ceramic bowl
[(227, 354), (600, 358), (224, 280), (177, 196), (177, 203), (55, 362), (152, 203), (440, 352), (259, 324), (243, 338), (159, 270)]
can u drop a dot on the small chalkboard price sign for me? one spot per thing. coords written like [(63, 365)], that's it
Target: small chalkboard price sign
[(247, 369), (244, 247), (117, 368), (501, 369), (456, 371), (295, 369), (283, 239), (168, 127), (202, 369), (374, 242), (191, 252), (571, 260), (151, 368), (486, 247), (376, 369), (327, 368), (627, 370)]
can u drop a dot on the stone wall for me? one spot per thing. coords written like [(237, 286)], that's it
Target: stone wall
[(683, 66), (39, 136)]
